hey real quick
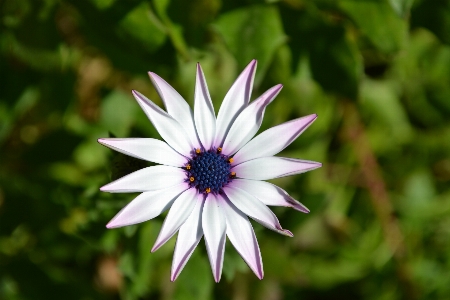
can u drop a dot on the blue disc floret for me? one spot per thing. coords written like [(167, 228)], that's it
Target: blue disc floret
[(209, 171)]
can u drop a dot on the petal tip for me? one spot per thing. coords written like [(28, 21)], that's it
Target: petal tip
[(153, 77), (288, 233), (297, 205), (156, 246), (217, 278), (300, 208)]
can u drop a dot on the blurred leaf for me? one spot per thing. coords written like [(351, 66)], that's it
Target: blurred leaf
[(146, 264), (368, 15), (389, 123), (419, 192), (126, 265), (336, 63), (433, 15), (90, 155), (233, 263), (174, 31), (194, 17), (65, 172), (253, 32), (401, 7), (141, 24), (331, 52), (118, 111), (102, 4), (195, 281)]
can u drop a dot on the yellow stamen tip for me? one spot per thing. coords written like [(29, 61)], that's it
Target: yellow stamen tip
[(230, 160), (233, 173), (208, 190), (191, 179), (219, 149), (198, 151), (188, 167)]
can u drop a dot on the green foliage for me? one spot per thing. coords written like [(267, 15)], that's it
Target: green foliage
[(376, 72)]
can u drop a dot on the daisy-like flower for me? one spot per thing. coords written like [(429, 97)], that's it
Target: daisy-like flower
[(212, 171)]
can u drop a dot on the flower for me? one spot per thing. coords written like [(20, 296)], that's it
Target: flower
[(211, 171)]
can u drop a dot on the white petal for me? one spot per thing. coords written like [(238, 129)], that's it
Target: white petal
[(176, 106), (266, 168), (214, 228), (235, 101), (169, 129), (273, 140), (147, 179), (178, 214), (189, 235), (148, 149), (205, 119), (248, 122), (146, 206), (241, 235), (269, 194), (255, 209)]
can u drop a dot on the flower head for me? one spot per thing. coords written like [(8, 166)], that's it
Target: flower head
[(211, 171)]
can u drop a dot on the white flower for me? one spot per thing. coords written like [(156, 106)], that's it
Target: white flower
[(211, 171)]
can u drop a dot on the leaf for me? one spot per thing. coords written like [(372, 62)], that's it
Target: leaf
[(433, 15), (253, 32), (334, 60), (118, 113), (401, 7), (141, 24), (379, 22), (195, 281)]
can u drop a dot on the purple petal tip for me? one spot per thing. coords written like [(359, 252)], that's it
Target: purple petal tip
[(288, 233), (155, 247)]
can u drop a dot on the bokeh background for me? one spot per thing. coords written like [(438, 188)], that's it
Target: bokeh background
[(376, 72)]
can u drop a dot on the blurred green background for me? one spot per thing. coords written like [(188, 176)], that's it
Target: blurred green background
[(376, 72)]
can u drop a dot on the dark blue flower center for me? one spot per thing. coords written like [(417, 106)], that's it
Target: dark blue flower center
[(208, 171)]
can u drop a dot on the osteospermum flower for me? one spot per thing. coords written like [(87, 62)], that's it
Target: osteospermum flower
[(211, 171)]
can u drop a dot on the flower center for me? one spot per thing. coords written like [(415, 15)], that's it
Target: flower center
[(209, 171)]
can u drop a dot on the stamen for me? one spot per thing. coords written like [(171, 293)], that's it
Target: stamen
[(230, 160), (219, 150), (208, 171)]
